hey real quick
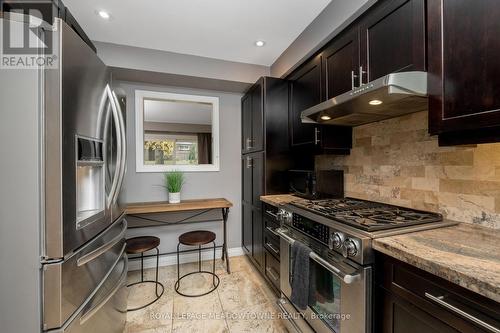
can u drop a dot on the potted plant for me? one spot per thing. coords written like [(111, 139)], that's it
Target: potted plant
[(173, 182)]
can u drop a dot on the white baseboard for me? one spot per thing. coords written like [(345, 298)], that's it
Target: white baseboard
[(171, 259)]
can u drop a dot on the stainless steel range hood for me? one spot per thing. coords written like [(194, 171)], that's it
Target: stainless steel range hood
[(387, 97)]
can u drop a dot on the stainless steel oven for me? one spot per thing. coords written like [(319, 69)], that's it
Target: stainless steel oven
[(342, 289)]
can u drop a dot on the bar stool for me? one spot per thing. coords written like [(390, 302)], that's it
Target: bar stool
[(196, 238), (140, 245)]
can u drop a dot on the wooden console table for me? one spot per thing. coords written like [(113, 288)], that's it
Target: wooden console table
[(152, 214)]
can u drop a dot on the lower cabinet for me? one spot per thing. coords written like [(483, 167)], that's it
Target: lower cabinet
[(409, 300), (260, 243), (246, 232), (252, 233)]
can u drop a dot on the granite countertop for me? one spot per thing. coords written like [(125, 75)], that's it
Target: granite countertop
[(278, 199), (465, 254)]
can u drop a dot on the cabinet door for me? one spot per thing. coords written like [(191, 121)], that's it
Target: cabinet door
[(258, 237), (341, 64), (246, 122), (246, 230), (247, 180), (400, 316), (464, 65), (257, 162), (393, 39), (257, 139), (305, 91)]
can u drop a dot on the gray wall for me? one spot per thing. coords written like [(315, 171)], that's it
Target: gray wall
[(335, 17), (175, 63), (141, 187)]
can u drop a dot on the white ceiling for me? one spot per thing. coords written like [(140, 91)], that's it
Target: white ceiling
[(221, 29), (176, 112)]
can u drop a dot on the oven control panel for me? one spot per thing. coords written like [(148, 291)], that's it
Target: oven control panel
[(311, 228)]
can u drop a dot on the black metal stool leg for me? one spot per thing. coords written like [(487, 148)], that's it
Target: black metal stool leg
[(157, 265), (142, 266), (178, 264), (213, 276), (156, 282), (199, 258)]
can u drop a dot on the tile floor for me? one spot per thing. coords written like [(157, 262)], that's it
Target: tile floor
[(243, 302)]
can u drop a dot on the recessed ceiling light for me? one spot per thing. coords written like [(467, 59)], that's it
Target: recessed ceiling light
[(260, 43), (104, 14), (325, 117), (375, 102)]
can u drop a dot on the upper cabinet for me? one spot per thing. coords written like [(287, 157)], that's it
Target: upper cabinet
[(305, 91), (252, 119), (392, 39), (341, 64), (464, 69)]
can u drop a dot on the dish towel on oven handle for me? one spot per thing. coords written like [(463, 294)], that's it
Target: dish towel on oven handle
[(300, 275)]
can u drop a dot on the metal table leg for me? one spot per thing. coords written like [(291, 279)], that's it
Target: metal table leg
[(225, 213)]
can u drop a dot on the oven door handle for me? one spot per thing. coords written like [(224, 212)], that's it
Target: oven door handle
[(346, 277)]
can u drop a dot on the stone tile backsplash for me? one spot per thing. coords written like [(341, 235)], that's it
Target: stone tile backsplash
[(397, 162)]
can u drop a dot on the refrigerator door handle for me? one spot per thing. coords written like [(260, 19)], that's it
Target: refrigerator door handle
[(122, 145), (108, 95), (123, 277), (83, 260)]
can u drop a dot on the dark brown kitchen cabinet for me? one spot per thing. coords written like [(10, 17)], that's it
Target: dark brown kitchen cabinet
[(246, 123), (252, 229), (464, 69), (306, 90), (252, 120), (252, 234), (253, 178), (341, 64), (392, 39), (409, 300), (246, 232), (265, 159)]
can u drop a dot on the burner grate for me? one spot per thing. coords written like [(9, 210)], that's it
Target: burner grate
[(367, 215)]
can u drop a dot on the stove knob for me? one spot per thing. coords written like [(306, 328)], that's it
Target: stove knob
[(350, 248), (336, 240)]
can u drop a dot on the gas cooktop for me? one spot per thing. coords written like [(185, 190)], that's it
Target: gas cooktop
[(367, 215)]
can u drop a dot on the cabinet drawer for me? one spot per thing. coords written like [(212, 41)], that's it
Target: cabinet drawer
[(271, 213), (452, 304), (272, 243), (272, 269)]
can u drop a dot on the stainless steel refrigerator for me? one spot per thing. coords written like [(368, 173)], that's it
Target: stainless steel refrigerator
[(60, 209)]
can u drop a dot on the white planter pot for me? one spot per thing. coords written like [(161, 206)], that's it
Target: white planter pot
[(174, 197)]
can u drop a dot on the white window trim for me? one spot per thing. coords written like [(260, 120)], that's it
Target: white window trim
[(140, 95)]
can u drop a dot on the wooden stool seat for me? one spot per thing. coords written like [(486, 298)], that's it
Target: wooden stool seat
[(199, 237), (142, 244)]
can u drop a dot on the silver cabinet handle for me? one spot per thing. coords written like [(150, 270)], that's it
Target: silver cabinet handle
[(346, 277), (83, 260), (249, 143), (353, 79), (440, 300), (361, 72), (272, 214), (121, 284), (249, 162), (271, 230), (316, 136), (271, 273), (272, 248)]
